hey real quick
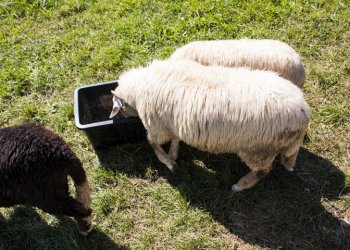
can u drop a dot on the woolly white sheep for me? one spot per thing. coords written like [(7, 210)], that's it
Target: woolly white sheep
[(256, 114), (34, 165), (264, 54)]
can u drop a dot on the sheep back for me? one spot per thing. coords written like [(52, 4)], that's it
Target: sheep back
[(262, 54)]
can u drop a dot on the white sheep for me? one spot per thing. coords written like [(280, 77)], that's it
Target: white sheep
[(256, 114), (264, 54)]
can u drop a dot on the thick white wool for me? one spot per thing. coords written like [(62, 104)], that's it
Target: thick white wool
[(264, 54), (217, 109)]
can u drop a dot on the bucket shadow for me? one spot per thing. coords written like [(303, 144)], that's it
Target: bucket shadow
[(284, 210), (25, 229)]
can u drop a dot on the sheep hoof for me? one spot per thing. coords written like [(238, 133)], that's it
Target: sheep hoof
[(236, 188), (290, 169), (172, 166), (86, 233)]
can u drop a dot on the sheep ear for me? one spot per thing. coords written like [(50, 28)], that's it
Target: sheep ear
[(117, 105), (114, 93)]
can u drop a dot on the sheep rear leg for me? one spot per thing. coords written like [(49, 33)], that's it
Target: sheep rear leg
[(289, 161), (164, 157), (249, 180), (290, 153), (260, 165), (174, 149), (289, 157)]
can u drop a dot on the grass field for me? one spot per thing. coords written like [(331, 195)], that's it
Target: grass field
[(48, 48)]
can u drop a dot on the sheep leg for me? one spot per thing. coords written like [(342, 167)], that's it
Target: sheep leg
[(174, 149), (260, 163), (289, 157), (290, 153), (249, 180), (164, 157), (289, 161)]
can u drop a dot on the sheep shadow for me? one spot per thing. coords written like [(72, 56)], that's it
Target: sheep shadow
[(25, 229), (284, 210)]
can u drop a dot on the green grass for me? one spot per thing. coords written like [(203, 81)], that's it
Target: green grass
[(48, 48)]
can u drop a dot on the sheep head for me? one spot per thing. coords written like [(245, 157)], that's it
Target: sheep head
[(120, 105)]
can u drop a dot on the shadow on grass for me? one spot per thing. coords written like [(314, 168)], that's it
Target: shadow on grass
[(25, 229), (283, 210)]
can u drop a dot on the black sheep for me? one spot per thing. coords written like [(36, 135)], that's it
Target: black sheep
[(34, 165)]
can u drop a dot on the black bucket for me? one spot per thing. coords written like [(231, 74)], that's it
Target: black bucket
[(92, 106)]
